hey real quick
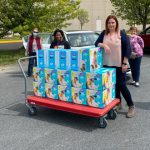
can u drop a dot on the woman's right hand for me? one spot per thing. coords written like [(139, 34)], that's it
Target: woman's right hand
[(107, 49)]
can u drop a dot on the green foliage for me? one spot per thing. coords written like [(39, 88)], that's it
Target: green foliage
[(23, 15), (134, 11), (83, 17)]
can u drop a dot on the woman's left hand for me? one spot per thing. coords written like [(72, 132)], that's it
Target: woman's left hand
[(124, 68)]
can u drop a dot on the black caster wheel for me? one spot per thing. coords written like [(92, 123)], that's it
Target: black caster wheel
[(32, 111), (112, 114), (102, 122)]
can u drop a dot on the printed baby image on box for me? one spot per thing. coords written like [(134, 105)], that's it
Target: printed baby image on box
[(50, 76), (108, 95), (64, 77), (38, 74), (39, 89), (52, 58), (78, 79), (108, 77), (51, 91), (91, 59), (94, 80), (41, 58), (79, 96), (64, 93), (96, 58), (64, 59), (94, 98)]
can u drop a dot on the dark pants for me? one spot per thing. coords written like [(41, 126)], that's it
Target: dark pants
[(135, 68), (32, 63), (121, 87)]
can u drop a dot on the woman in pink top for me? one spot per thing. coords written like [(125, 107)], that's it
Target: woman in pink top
[(116, 54), (137, 46)]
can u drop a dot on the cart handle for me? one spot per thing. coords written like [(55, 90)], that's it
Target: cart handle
[(24, 74)]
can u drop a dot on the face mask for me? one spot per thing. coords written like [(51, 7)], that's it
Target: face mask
[(35, 34)]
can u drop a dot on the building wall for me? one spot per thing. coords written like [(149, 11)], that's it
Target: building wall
[(97, 9)]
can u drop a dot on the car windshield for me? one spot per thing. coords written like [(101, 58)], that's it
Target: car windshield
[(82, 39)]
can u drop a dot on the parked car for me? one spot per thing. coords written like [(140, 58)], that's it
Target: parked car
[(145, 35), (77, 39)]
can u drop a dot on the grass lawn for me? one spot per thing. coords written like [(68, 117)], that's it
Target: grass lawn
[(8, 57)]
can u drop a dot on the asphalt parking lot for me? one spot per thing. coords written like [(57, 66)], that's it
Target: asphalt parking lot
[(56, 130)]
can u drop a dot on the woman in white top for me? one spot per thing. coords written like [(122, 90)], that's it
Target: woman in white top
[(116, 54)]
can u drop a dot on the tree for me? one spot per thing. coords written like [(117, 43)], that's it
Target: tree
[(83, 17), (47, 15), (134, 11)]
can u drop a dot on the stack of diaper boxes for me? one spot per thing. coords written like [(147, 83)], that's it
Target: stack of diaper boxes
[(74, 76)]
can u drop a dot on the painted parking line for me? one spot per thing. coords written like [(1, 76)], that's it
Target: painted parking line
[(10, 41)]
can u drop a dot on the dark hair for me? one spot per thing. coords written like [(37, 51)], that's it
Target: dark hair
[(58, 30), (106, 23)]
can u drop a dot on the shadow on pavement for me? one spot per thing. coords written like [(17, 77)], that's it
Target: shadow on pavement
[(79, 122)]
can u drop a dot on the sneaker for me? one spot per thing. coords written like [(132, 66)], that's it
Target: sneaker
[(137, 84), (132, 83), (131, 112)]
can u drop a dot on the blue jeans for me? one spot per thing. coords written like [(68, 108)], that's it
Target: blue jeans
[(32, 63), (135, 68)]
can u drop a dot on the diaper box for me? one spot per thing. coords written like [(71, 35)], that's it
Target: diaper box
[(39, 89), (79, 96), (41, 58), (64, 77), (94, 80), (50, 76), (100, 99), (108, 76), (52, 58), (64, 59), (38, 74), (78, 79), (109, 95), (94, 98), (64, 93), (51, 91), (91, 59)]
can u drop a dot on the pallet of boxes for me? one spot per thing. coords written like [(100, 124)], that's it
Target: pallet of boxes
[(74, 76)]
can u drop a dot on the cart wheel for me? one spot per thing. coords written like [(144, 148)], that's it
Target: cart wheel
[(112, 114), (102, 122), (32, 111)]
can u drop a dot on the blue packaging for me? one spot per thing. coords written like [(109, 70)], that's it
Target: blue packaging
[(94, 98), (52, 58), (51, 91), (64, 77), (64, 59), (79, 96), (78, 79), (74, 64), (94, 81), (64, 93), (39, 89), (38, 74), (50, 76), (41, 58)]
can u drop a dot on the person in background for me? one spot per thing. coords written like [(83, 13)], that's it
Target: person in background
[(59, 41), (34, 44), (116, 54), (137, 45)]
